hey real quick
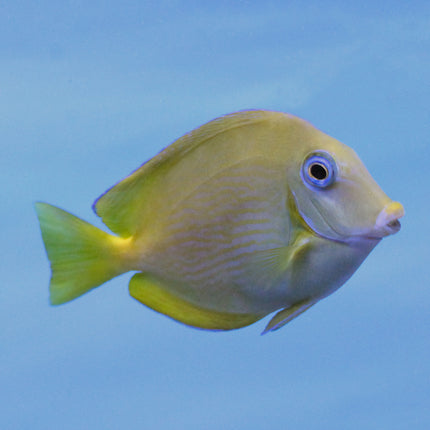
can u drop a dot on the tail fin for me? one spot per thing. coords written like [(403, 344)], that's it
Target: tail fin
[(82, 256)]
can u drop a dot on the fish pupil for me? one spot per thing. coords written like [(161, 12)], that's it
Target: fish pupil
[(318, 171)]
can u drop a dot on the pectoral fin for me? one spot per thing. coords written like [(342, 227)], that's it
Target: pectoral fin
[(286, 315), (151, 292)]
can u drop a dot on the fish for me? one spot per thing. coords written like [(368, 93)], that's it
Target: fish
[(253, 213)]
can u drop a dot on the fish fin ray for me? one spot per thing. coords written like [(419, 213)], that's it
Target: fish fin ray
[(284, 316), (81, 255), (151, 292), (270, 263), (122, 207), (273, 263)]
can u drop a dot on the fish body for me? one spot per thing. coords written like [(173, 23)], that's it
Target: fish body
[(251, 213)]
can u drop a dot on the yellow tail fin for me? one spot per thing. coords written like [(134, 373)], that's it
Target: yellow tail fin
[(82, 256)]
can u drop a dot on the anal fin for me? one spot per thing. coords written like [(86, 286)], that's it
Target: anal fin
[(286, 315), (151, 292)]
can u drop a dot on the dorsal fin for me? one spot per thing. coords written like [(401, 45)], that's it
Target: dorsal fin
[(122, 207)]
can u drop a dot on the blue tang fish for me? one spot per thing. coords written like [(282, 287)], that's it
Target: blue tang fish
[(252, 213)]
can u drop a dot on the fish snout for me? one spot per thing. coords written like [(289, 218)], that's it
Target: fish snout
[(387, 222)]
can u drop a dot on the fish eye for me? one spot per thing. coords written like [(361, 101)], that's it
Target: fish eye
[(319, 169)]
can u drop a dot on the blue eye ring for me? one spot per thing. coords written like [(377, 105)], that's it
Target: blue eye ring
[(319, 169)]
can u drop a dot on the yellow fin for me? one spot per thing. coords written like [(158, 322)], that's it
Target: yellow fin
[(124, 206), (82, 256), (152, 293), (286, 315)]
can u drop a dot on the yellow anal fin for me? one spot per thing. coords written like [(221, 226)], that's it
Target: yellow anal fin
[(286, 315), (151, 292)]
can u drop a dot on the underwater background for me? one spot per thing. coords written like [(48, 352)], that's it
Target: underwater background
[(91, 90)]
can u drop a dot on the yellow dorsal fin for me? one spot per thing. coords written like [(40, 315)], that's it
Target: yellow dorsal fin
[(122, 208), (152, 293)]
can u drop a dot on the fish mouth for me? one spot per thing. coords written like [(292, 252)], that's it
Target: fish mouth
[(387, 222), (394, 226)]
